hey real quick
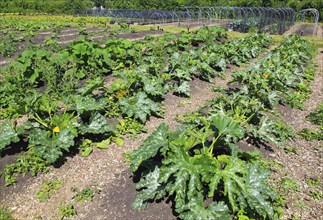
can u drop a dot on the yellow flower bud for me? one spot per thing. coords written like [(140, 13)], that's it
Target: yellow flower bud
[(56, 129), (265, 75)]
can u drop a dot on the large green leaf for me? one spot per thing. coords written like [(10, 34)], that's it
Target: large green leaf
[(140, 107), (91, 85), (184, 88), (8, 134), (227, 126), (183, 176), (231, 175), (154, 86), (150, 147), (259, 194), (265, 130), (149, 189), (187, 175), (195, 210), (84, 104), (80, 48), (50, 146), (98, 124)]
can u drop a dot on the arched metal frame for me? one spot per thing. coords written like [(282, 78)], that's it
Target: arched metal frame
[(271, 20), (301, 16)]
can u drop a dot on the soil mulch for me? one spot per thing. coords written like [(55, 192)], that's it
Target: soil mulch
[(116, 203)]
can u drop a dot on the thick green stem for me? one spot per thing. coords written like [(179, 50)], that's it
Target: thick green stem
[(210, 151), (38, 119)]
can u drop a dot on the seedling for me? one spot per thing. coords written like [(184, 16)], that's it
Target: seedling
[(290, 149), (288, 184), (48, 188), (86, 194), (66, 211)]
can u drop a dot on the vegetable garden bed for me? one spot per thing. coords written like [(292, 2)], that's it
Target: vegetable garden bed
[(75, 112)]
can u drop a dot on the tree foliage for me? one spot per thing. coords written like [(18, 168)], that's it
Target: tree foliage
[(68, 6)]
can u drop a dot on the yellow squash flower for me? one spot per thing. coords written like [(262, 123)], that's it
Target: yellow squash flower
[(56, 129), (121, 93), (265, 75)]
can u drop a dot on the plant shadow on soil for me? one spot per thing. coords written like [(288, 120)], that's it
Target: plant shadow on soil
[(11, 154), (118, 196), (117, 204)]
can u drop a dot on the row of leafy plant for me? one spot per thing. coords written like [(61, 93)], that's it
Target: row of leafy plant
[(36, 23), (200, 166), (15, 30), (282, 76), (12, 41), (9, 42), (62, 92)]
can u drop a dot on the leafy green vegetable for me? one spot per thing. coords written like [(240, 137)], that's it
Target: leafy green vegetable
[(48, 145), (98, 124), (140, 107), (28, 162), (316, 117), (8, 134), (189, 175), (85, 104), (150, 147), (91, 85)]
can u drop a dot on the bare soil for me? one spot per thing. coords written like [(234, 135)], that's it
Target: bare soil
[(303, 30)]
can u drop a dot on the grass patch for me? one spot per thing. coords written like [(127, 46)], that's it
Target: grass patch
[(277, 39), (235, 35), (4, 215), (317, 41)]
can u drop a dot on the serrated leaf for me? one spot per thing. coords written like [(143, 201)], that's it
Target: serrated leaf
[(264, 130), (195, 210), (148, 189), (8, 134), (150, 147), (98, 124), (50, 146), (80, 49), (140, 107), (84, 104), (91, 85), (184, 88), (258, 193), (227, 126), (186, 183), (154, 86)]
